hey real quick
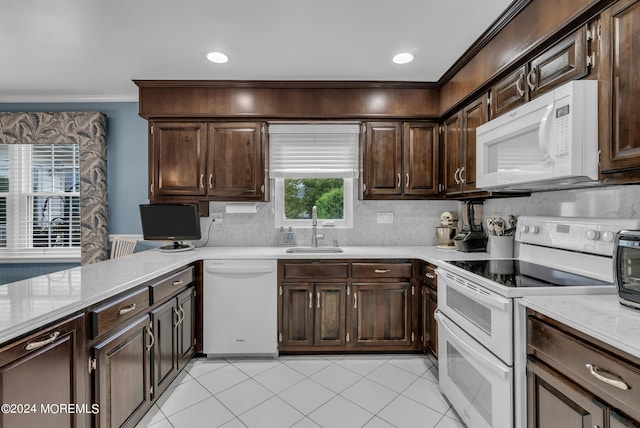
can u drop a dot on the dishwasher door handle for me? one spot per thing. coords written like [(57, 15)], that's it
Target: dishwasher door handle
[(238, 270)]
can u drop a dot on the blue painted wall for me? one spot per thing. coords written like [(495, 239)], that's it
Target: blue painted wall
[(126, 157)]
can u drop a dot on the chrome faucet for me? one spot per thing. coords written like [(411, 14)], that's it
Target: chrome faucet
[(314, 227)]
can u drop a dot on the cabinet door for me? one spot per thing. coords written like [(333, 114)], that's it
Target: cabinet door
[(617, 420), (165, 319), (330, 314), (620, 90), (235, 163), (383, 159), (381, 314), (177, 157), (297, 315), (509, 92), (186, 326), (564, 61), (473, 115), (452, 154), (41, 370), (420, 143), (123, 376), (555, 402)]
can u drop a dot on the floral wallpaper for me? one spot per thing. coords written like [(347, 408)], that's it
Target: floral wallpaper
[(89, 131)]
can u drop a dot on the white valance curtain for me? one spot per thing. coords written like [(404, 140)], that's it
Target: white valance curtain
[(313, 150)]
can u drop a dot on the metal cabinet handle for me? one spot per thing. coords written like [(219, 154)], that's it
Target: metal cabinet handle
[(128, 309), (399, 180), (407, 183), (178, 282), (462, 180), (177, 321), (355, 301), (153, 339), (618, 383), (39, 344), (318, 299), (382, 270), (311, 299), (531, 84), (181, 314), (455, 176), (202, 181), (430, 275), (518, 89), (210, 181)]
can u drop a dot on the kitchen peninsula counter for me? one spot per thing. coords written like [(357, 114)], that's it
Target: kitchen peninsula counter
[(35, 302)]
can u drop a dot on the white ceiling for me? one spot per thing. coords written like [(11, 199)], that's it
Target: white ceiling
[(90, 50)]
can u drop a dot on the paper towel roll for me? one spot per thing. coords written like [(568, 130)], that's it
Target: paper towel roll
[(241, 208)]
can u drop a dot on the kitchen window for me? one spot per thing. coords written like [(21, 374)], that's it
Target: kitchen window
[(313, 164), (39, 201)]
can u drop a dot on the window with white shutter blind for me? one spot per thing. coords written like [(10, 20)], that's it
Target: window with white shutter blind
[(39, 200), (313, 165)]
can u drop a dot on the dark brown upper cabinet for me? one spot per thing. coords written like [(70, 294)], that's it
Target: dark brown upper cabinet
[(568, 59), (177, 158), (400, 160), (459, 134), (619, 93), (193, 161)]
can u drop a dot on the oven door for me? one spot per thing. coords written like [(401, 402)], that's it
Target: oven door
[(483, 314), (626, 263), (477, 384)]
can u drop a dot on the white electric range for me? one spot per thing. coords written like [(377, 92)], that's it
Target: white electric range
[(481, 332)]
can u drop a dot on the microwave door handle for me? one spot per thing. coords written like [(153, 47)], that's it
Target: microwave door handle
[(545, 129)]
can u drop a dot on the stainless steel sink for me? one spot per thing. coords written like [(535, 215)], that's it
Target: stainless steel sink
[(314, 250)]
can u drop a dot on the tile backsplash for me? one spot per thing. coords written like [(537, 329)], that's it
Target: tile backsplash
[(414, 221)]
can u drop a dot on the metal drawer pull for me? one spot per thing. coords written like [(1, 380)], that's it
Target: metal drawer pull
[(128, 309), (178, 282), (35, 345), (382, 270), (620, 384), (430, 275)]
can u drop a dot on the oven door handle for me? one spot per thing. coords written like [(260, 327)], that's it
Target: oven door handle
[(491, 299), (475, 355)]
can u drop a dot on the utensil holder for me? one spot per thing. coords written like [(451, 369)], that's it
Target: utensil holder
[(500, 247)]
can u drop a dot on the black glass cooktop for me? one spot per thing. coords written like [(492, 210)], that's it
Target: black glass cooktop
[(518, 273)]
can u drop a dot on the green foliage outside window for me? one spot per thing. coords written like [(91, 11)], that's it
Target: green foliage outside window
[(327, 194)]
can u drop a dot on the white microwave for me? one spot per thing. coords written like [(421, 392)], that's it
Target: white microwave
[(548, 143)]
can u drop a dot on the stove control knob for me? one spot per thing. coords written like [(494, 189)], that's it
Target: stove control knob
[(525, 228), (608, 236), (592, 235), (534, 229)]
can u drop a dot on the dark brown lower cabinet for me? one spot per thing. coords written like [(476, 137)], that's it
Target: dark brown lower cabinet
[(313, 315), (381, 314), (556, 402), (41, 372), (165, 320), (431, 334), (186, 327), (123, 374)]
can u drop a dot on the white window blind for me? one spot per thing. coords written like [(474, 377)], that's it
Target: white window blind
[(39, 200), (313, 150)]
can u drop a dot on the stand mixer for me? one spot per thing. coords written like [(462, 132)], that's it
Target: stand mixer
[(447, 230)]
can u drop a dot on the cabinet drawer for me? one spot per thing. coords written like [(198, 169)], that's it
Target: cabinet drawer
[(381, 270), (169, 285), (585, 363), (315, 270), (108, 316)]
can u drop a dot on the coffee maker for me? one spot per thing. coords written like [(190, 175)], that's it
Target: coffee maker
[(472, 237), (447, 230)]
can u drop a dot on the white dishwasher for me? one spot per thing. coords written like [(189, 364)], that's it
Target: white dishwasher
[(240, 308)]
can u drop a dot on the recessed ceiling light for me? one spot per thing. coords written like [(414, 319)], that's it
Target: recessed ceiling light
[(403, 58), (217, 57)]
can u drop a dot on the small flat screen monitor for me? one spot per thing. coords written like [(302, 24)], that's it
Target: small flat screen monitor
[(170, 222)]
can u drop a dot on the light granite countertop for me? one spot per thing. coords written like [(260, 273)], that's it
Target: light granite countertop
[(33, 303), (599, 316)]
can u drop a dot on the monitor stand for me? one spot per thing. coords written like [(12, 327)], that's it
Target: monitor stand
[(176, 247)]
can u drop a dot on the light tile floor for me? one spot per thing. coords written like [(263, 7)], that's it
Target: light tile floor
[(341, 391)]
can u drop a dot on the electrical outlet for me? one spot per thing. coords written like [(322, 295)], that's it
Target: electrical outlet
[(385, 218), (217, 217)]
